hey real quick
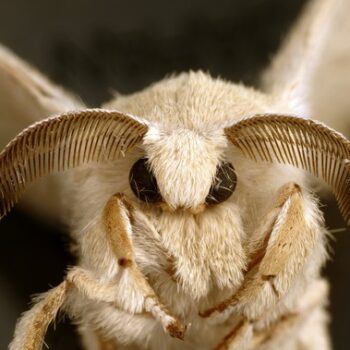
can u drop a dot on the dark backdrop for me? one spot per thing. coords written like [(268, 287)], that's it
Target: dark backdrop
[(95, 48)]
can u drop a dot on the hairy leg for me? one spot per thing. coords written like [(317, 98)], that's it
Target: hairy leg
[(279, 250), (117, 217), (303, 328), (238, 338), (31, 328)]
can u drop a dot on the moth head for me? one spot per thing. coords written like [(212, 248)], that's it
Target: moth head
[(183, 170), (184, 167)]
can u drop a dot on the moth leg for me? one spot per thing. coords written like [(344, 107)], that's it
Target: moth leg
[(285, 242), (91, 287), (238, 338), (252, 335), (117, 219), (245, 337), (31, 328), (308, 317)]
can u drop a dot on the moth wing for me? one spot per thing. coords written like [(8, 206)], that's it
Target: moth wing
[(26, 96), (312, 69)]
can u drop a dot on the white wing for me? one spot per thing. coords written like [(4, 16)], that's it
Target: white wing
[(26, 96), (312, 68)]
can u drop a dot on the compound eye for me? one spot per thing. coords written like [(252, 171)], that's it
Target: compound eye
[(224, 184), (143, 183)]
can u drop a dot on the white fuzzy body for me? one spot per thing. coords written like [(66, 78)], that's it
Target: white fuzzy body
[(208, 249)]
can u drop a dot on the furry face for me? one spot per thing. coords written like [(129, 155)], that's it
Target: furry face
[(192, 260)]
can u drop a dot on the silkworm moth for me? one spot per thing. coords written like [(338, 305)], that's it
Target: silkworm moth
[(189, 202)]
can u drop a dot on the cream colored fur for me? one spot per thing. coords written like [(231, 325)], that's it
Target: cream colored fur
[(209, 251), (209, 248)]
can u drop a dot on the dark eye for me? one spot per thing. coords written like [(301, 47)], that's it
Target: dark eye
[(143, 183), (224, 184)]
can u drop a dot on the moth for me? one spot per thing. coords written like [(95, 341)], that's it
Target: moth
[(189, 202)]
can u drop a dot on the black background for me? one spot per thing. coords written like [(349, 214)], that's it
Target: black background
[(95, 48)]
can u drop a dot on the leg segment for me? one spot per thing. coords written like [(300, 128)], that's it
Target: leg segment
[(95, 290), (279, 249), (238, 338), (117, 217), (290, 326), (31, 329)]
